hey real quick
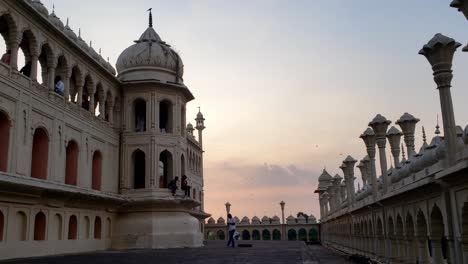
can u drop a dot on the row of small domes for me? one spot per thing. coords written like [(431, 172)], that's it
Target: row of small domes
[(37, 4), (265, 219)]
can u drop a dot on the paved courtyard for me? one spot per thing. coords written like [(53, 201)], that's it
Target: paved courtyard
[(215, 252)]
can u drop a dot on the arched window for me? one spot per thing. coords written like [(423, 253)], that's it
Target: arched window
[(96, 171), (167, 174), (72, 228), (139, 110), (292, 235), (7, 25), (165, 116), (182, 165), (220, 235), (45, 59), (109, 228), (302, 234), (40, 154), (276, 234), (255, 235), (56, 227), (245, 235), (86, 93), (139, 169), (27, 46), (182, 120), (4, 140), (2, 224), (60, 74), (313, 235), (20, 227), (40, 226), (97, 228), (73, 83), (87, 228), (71, 166), (266, 235)]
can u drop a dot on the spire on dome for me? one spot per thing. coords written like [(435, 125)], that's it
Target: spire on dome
[(150, 18), (403, 153), (424, 135), (437, 131)]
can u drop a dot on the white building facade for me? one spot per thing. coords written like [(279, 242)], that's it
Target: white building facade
[(90, 170), (416, 211)]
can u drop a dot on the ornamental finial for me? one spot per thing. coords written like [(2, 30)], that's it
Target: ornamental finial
[(150, 18)]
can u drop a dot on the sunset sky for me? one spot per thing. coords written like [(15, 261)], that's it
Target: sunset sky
[(287, 87)]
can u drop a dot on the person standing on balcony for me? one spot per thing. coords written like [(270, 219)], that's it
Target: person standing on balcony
[(6, 57), (184, 186), (59, 85)]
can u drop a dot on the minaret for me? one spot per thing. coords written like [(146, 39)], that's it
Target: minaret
[(200, 126), (282, 203)]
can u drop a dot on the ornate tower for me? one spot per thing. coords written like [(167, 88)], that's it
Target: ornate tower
[(155, 149), (200, 126)]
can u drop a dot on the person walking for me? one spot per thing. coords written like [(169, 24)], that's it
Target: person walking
[(232, 229)]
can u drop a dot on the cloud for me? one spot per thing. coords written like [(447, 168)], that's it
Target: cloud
[(258, 188)]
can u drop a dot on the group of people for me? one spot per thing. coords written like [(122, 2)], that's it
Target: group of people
[(183, 186), (59, 86)]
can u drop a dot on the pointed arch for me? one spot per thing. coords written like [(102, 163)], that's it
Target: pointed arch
[(302, 234), (56, 226), (40, 226), (96, 177), (5, 126), (71, 166), (21, 226), (2, 225), (276, 234), (220, 235), (139, 115), (75, 83), (46, 60), (40, 154), (292, 235), (72, 227), (167, 174), (245, 235), (139, 169), (8, 30), (313, 235), (166, 116), (97, 227), (28, 46), (266, 235)]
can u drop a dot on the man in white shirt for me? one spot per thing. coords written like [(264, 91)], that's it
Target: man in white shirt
[(59, 85), (232, 229)]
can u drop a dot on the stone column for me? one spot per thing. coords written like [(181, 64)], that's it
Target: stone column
[(465, 251), (34, 62), (14, 47), (349, 168), (439, 52), (437, 255), (51, 77), (102, 109), (91, 91), (369, 139), (66, 81), (423, 253), (110, 113), (379, 124), (407, 123), (394, 138), (79, 90)]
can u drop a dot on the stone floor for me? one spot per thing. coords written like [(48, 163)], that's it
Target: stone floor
[(268, 252)]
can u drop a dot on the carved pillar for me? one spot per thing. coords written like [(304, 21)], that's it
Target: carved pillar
[(379, 124), (14, 47), (79, 90), (34, 62), (102, 109), (439, 52), (423, 253), (91, 91), (369, 139), (66, 75)]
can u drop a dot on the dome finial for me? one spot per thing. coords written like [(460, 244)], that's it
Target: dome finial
[(437, 131), (150, 18), (424, 135)]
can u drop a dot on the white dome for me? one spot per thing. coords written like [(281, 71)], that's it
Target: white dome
[(221, 220), (265, 220), (56, 21), (245, 220), (275, 220), (40, 7), (150, 58), (69, 32), (211, 220), (255, 220)]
